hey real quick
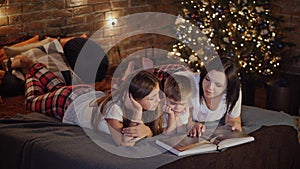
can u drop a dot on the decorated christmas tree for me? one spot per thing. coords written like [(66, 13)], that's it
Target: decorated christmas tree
[(241, 29)]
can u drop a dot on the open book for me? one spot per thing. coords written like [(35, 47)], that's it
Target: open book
[(220, 139)]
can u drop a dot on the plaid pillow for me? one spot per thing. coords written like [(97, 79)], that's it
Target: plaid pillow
[(50, 54)]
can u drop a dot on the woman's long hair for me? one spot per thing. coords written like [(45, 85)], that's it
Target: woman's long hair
[(226, 65), (139, 85)]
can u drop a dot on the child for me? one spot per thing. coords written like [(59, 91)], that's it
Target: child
[(220, 96), (46, 93), (132, 110), (178, 90)]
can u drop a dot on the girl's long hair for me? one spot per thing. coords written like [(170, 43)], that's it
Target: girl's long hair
[(226, 65), (139, 85)]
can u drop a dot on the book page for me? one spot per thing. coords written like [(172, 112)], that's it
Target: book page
[(213, 140), (190, 142), (234, 142), (224, 137), (184, 145), (199, 149)]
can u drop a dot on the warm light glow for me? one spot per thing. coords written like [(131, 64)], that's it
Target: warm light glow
[(112, 21), (247, 34), (77, 2)]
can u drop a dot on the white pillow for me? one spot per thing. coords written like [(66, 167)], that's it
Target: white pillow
[(50, 54)]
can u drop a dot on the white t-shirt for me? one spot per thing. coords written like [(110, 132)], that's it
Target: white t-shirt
[(204, 114), (81, 111)]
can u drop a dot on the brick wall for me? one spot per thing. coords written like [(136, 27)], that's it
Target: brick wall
[(290, 11), (20, 19)]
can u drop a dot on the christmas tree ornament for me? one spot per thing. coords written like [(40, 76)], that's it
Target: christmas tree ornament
[(241, 29)]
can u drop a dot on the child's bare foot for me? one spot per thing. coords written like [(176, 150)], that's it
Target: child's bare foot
[(22, 62)]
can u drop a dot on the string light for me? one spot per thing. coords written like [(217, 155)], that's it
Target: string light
[(246, 28)]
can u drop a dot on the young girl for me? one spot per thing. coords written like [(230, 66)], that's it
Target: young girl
[(220, 96), (133, 109), (121, 111)]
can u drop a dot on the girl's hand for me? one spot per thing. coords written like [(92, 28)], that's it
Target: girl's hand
[(197, 130), (129, 141), (138, 131), (132, 104)]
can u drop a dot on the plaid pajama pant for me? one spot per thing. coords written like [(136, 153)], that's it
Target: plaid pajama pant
[(48, 94)]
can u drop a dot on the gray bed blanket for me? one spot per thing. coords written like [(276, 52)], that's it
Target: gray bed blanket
[(35, 141), (253, 118)]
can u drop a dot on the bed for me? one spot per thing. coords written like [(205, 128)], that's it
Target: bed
[(29, 140), (32, 140)]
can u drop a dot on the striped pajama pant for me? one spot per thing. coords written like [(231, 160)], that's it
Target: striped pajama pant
[(48, 94)]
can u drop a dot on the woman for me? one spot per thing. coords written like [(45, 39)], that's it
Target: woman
[(220, 95)]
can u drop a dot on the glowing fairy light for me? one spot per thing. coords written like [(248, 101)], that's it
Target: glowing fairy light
[(113, 21), (244, 30)]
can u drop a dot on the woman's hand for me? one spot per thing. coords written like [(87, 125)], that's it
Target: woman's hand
[(197, 130), (235, 123), (138, 131)]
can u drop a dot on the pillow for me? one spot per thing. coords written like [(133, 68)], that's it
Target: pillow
[(28, 41), (63, 41), (2, 56), (50, 54), (12, 51)]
